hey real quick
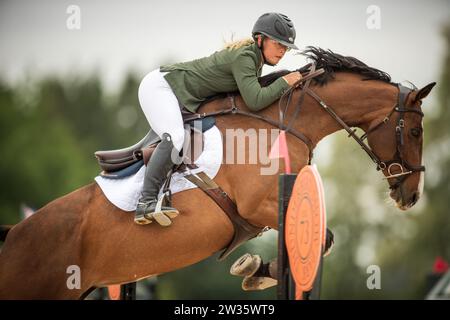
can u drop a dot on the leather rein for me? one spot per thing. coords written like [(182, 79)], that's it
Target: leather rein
[(397, 162), (279, 124)]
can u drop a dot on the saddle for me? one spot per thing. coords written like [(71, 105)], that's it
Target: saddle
[(120, 163)]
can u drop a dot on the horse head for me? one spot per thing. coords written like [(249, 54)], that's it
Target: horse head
[(397, 140), (389, 113)]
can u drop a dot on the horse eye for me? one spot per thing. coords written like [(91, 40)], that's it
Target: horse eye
[(416, 132)]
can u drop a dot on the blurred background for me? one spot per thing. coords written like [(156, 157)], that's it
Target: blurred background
[(68, 87)]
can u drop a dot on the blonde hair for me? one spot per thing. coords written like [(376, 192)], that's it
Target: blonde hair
[(235, 44)]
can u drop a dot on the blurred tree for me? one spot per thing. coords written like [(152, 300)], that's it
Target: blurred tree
[(50, 129), (40, 157)]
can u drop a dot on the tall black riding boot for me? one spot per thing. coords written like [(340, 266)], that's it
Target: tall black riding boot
[(156, 172)]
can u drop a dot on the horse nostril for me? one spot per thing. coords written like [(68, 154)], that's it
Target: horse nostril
[(414, 198)]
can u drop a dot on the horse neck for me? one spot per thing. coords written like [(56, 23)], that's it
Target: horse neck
[(358, 103)]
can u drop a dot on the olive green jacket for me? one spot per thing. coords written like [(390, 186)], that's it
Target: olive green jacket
[(224, 71)]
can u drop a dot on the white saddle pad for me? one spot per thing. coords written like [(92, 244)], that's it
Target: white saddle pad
[(125, 193)]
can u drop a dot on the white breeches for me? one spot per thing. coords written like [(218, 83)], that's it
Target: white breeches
[(161, 108)]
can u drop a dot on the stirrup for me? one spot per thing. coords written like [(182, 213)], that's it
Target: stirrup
[(140, 218), (161, 215)]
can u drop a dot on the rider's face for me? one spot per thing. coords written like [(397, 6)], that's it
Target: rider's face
[(273, 50)]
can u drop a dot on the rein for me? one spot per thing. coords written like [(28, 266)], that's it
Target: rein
[(398, 160), (287, 128), (235, 110)]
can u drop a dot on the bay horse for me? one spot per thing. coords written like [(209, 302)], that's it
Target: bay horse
[(84, 229)]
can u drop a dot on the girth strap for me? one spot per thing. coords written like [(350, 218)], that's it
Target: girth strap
[(243, 230)]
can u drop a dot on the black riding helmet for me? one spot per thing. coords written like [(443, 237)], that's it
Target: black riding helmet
[(276, 26)]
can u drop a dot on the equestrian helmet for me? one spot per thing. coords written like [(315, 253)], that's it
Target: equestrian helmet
[(276, 26)]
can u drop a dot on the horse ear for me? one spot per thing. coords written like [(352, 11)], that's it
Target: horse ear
[(422, 93)]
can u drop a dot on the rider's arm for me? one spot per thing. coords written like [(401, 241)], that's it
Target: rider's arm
[(255, 96)]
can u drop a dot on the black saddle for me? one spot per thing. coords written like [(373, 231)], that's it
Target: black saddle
[(124, 162)]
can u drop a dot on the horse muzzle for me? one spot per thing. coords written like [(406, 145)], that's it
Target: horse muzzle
[(403, 200)]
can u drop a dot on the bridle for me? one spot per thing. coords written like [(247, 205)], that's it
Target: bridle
[(397, 162)]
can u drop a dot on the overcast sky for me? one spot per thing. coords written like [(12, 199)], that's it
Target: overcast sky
[(117, 35)]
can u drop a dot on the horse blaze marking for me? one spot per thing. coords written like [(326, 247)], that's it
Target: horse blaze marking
[(301, 234)]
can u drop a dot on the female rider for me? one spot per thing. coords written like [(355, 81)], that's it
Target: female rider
[(236, 67)]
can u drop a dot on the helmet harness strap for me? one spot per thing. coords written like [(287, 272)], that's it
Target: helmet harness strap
[(262, 51)]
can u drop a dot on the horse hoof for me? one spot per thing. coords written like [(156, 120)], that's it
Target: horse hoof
[(246, 265), (258, 283), (161, 218)]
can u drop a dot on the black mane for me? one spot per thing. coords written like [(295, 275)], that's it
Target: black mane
[(331, 62)]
